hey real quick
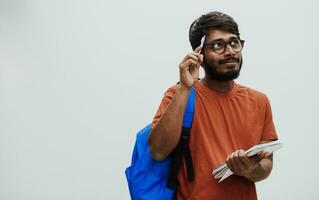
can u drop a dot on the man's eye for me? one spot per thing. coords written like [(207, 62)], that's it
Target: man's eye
[(234, 43), (217, 45)]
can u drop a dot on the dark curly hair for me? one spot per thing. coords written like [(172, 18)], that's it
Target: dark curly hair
[(211, 20)]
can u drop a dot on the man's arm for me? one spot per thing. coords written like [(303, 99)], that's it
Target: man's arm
[(165, 135)]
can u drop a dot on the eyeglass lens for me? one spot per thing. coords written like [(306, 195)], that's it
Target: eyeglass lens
[(219, 46)]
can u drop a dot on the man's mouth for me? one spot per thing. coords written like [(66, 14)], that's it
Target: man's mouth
[(229, 61)]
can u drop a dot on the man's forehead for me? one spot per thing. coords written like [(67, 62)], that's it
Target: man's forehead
[(216, 34)]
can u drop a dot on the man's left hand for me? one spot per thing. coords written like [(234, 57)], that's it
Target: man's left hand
[(242, 165)]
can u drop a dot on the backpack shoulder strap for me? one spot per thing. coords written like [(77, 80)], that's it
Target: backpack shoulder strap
[(189, 111), (183, 146)]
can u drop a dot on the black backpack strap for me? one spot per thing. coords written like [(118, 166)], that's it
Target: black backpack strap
[(181, 150), (188, 155)]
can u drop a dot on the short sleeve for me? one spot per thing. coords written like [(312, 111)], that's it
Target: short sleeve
[(269, 131), (168, 97)]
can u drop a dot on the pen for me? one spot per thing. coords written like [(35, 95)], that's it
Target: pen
[(202, 41)]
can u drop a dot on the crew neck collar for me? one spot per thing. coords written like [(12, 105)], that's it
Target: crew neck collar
[(199, 85)]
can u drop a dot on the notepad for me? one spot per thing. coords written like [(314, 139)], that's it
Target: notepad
[(222, 172)]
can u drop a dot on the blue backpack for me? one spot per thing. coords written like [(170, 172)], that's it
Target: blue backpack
[(149, 179)]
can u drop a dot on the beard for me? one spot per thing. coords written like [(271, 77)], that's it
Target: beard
[(213, 74)]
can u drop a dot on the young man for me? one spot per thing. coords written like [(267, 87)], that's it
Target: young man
[(229, 118)]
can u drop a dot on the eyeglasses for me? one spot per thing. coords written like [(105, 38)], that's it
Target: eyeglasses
[(220, 45)]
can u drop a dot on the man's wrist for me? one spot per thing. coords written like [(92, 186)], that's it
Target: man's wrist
[(183, 88)]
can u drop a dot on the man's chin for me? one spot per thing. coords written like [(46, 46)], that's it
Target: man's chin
[(227, 76), (233, 65), (224, 72)]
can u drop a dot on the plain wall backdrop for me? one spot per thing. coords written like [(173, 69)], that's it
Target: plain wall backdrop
[(78, 79)]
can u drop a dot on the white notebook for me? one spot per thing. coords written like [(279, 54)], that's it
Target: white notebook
[(222, 172)]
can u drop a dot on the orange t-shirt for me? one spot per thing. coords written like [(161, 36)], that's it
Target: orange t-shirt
[(223, 123)]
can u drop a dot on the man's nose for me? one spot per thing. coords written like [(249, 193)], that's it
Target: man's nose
[(229, 50)]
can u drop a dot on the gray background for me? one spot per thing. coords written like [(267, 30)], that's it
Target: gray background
[(79, 78)]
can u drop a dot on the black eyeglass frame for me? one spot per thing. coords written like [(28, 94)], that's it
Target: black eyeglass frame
[(242, 42)]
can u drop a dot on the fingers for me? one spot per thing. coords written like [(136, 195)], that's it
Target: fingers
[(238, 162), (198, 49), (263, 155), (189, 65), (244, 158), (230, 162), (234, 163), (194, 56), (189, 68)]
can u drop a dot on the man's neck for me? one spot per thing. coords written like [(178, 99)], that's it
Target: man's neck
[(218, 86)]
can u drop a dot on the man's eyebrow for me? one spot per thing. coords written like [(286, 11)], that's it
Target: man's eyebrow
[(233, 37), (216, 40), (221, 39)]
